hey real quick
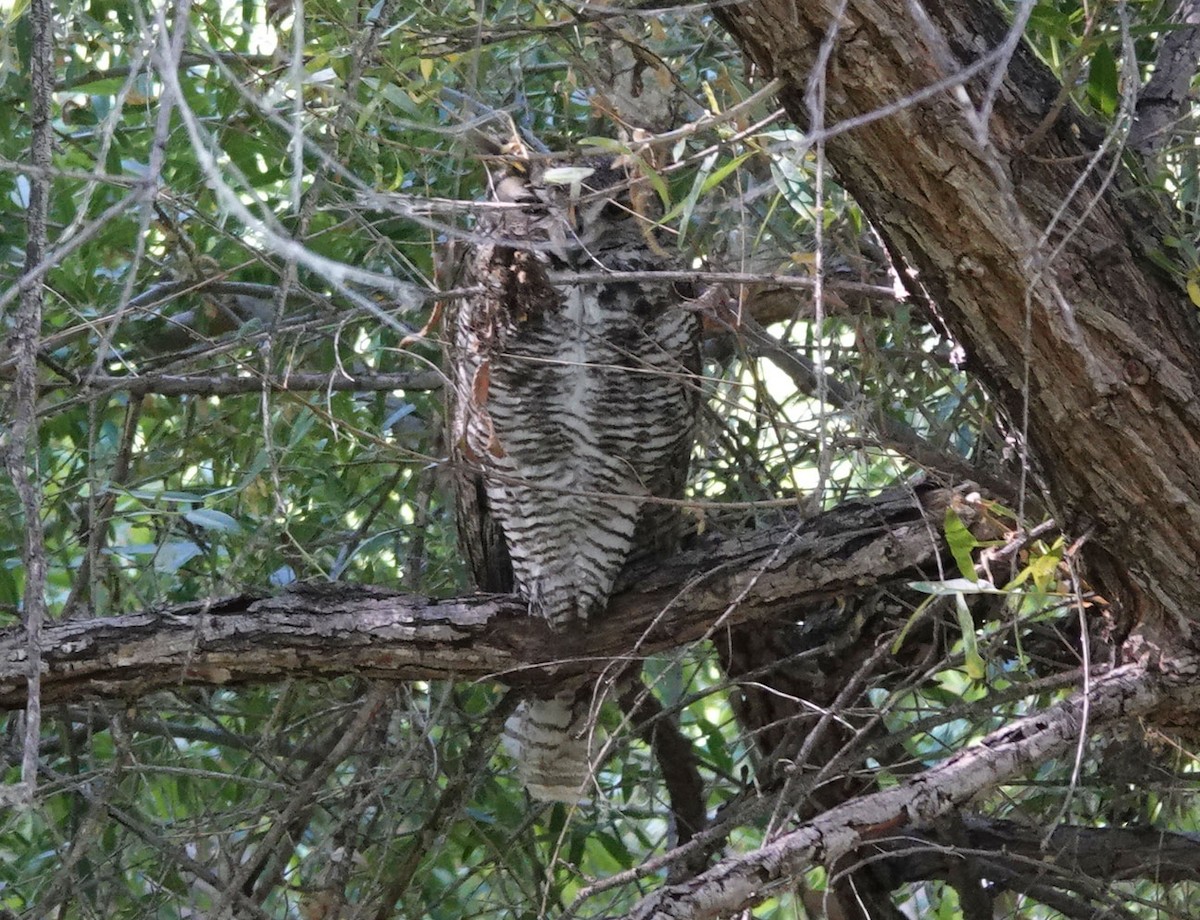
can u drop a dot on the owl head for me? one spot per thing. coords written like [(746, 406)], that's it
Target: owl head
[(592, 211)]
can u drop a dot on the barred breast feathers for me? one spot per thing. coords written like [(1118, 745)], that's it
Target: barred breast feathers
[(581, 399)]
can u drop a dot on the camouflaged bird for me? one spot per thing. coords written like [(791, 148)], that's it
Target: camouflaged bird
[(573, 407)]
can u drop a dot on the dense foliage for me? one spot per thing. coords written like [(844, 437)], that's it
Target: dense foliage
[(252, 213)]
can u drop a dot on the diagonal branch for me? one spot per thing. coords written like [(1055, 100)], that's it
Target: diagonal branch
[(740, 883)]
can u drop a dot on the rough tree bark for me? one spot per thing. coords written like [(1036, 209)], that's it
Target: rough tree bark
[(1032, 242), (343, 629)]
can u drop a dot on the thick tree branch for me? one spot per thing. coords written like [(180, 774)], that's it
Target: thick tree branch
[(1162, 100), (1108, 853), (331, 630)]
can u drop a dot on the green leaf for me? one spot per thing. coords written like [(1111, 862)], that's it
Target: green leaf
[(300, 428), (17, 9), (910, 622), (1162, 260), (166, 495), (1102, 81), (976, 669), (368, 546), (693, 196), (656, 181), (722, 172), (261, 461), (1048, 19), (615, 848), (607, 144), (566, 175), (175, 555), (212, 519), (133, 549), (961, 542), (955, 586), (109, 86)]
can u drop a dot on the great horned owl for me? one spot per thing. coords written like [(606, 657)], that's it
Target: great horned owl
[(573, 408)]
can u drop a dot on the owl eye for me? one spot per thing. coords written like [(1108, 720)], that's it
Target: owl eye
[(615, 209)]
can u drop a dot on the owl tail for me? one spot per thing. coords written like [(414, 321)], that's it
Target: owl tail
[(550, 740)]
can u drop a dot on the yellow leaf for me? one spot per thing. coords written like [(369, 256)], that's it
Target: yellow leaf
[(426, 67), (1193, 288), (805, 260)]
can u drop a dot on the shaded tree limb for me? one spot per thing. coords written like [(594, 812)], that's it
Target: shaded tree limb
[(1108, 853), (965, 874), (1164, 97), (329, 630)]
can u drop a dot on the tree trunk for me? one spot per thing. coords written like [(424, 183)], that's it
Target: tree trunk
[(1034, 245)]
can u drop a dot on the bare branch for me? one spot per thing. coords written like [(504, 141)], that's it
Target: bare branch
[(21, 449), (230, 385)]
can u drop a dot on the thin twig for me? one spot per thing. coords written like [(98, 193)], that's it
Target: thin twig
[(22, 454)]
